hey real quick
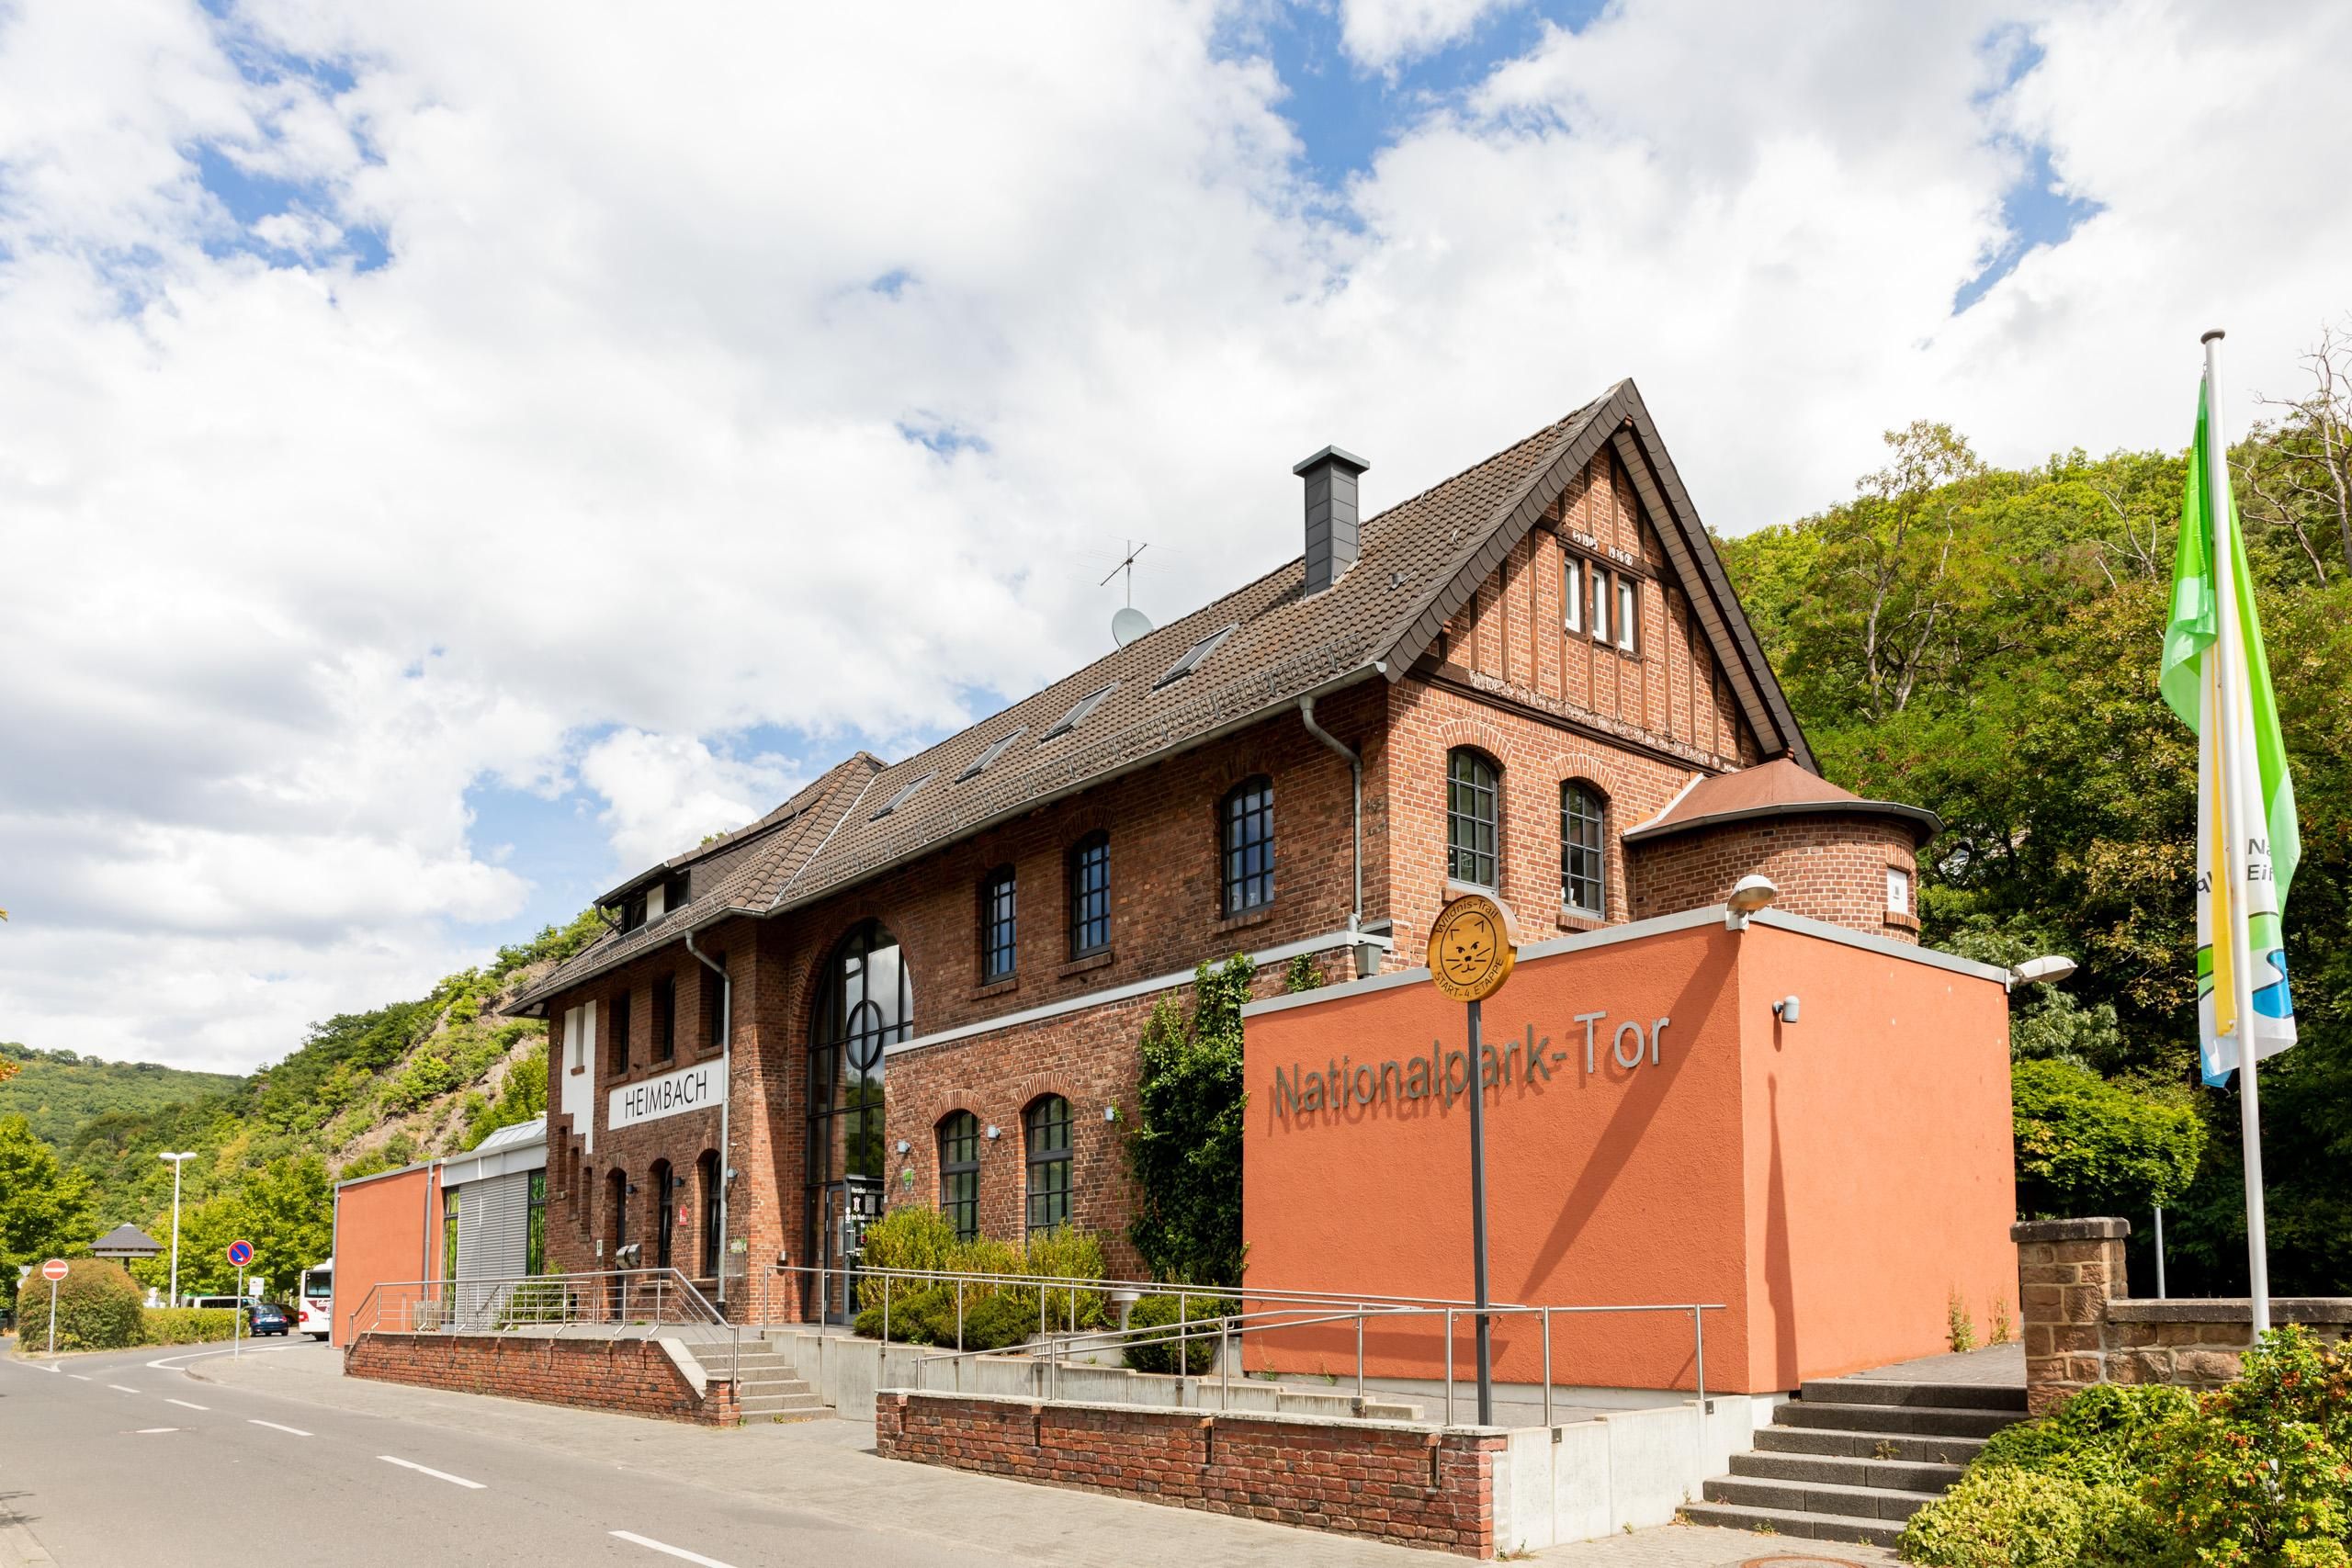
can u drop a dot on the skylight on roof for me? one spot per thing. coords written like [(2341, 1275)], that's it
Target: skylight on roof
[(1190, 659), (904, 795), (1078, 711), (978, 764)]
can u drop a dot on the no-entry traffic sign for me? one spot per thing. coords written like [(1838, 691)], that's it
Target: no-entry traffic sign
[(54, 1269), (241, 1253)]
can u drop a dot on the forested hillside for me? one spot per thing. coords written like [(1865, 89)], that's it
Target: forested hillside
[(1985, 642), (364, 1091), (58, 1091)]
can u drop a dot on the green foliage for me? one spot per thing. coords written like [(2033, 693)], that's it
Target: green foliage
[(1301, 974), (915, 1238), (2002, 1518), (1188, 1354), (44, 1208), (58, 1091), (1960, 1328), (2089, 1146), (1186, 1151), (2101, 1435), (187, 1325), (521, 1098), (98, 1308), (285, 1208)]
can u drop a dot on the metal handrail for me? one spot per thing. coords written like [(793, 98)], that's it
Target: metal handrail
[(649, 1299)]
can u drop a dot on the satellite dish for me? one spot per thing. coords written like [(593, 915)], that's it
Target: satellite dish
[(1128, 624)]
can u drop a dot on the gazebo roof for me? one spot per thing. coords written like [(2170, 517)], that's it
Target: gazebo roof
[(126, 1241)]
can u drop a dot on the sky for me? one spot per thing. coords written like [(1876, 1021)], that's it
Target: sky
[(453, 456)]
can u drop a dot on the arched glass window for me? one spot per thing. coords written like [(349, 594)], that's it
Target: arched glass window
[(866, 1005), (999, 931), (712, 1244), (1090, 895), (1047, 1121), (1583, 854), (1248, 819), (1471, 829), (615, 1213), (666, 1213), (959, 1173)]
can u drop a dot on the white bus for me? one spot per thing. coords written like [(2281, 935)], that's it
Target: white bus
[(316, 1296)]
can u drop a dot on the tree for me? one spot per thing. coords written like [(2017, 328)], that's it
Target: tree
[(1186, 1149), (44, 1208)]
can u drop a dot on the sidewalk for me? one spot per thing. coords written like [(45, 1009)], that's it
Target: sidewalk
[(829, 1468)]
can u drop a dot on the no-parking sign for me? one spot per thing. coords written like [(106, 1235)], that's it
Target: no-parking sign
[(241, 1253)]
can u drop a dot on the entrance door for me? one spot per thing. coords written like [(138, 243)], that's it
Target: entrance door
[(848, 1207)]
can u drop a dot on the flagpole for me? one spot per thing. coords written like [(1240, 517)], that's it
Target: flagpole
[(2229, 645)]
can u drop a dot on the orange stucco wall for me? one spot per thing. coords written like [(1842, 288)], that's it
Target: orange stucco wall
[(382, 1234), (1831, 1183)]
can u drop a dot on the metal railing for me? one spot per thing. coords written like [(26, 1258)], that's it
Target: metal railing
[(1059, 1298), (619, 1301)]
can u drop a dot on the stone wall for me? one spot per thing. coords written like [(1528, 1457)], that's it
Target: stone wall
[(634, 1376), (2082, 1327), (1377, 1479)]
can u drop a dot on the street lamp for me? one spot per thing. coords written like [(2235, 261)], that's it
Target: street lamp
[(174, 1162), (2050, 971)]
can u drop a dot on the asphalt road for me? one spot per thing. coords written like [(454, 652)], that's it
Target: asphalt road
[(116, 1461)]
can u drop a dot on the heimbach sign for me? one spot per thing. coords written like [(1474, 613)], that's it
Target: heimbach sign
[(1444, 1075), (697, 1088)]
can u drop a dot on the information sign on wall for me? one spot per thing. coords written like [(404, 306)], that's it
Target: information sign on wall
[(698, 1088)]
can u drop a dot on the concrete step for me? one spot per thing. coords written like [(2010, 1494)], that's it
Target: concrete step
[(1892, 1475), (1794, 1523), (1943, 1395), (1908, 1447), (1927, 1420), (1818, 1498)]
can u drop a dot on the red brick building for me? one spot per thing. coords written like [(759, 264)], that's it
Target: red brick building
[(925, 981)]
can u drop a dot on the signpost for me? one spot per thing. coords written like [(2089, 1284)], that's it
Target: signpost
[(240, 1253), (53, 1270), (1473, 948)]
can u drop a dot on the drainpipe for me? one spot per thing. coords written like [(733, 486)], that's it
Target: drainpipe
[(1355, 778), (725, 1104)]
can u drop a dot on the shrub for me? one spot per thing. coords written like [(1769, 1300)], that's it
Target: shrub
[(2087, 1147), (2102, 1436), (1170, 1354), (1186, 1150), (98, 1308), (188, 1325), (916, 1237), (2001, 1518)]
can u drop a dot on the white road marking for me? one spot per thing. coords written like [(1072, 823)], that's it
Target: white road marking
[(677, 1552), (436, 1474), (184, 1405), (149, 1431), (77, 1377), (120, 1388), (257, 1421)]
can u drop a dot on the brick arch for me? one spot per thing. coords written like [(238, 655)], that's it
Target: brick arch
[(1243, 763), (813, 973), (1456, 732)]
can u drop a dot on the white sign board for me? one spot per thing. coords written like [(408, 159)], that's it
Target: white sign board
[(698, 1088)]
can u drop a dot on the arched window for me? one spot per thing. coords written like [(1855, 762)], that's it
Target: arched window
[(1046, 1123), (999, 930), (1090, 895), (712, 1244), (1584, 853), (1248, 820), (616, 1214), (666, 1213), (1471, 833), (959, 1173), (864, 1005)]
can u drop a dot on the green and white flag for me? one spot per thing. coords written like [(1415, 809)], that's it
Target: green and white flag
[(2217, 679)]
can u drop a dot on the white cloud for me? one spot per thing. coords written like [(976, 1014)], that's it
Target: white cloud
[(610, 467)]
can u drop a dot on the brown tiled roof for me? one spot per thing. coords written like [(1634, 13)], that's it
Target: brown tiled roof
[(1421, 561), (1775, 788)]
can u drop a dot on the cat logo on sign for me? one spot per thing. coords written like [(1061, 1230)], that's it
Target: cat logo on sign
[(1473, 946)]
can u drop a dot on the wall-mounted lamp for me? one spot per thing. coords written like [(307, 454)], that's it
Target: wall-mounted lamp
[(1110, 1113), (995, 1132), (1748, 895), (632, 1189), (903, 1145), (1785, 1009), (2048, 970)]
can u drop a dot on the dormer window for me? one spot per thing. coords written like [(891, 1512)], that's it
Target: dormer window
[(1190, 659), (1078, 711), (906, 793)]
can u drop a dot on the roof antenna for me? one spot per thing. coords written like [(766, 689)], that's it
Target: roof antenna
[(1129, 623)]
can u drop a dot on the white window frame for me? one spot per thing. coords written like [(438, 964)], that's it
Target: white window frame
[(1572, 616), (1629, 609), (1898, 890), (1601, 605)]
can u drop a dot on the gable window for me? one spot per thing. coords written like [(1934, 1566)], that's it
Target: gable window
[(1600, 617), (1898, 890), (1583, 853), (619, 1055), (665, 1018), (1572, 595), (1471, 828), (1047, 1124), (1629, 609), (1247, 815), (999, 934), (1090, 895), (959, 1173)]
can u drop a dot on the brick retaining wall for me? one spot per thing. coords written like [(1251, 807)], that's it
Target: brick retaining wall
[(2081, 1327), (634, 1377), (1377, 1480)]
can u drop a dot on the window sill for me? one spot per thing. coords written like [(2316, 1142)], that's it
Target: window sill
[(1084, 964), (1581, 921), (1455, 889), (987, 988), (1902, 922), (1257, 916)]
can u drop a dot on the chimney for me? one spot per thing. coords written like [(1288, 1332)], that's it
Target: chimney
[(1332, 545)]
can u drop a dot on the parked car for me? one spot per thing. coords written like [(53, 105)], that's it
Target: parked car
[(266, 1318)]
